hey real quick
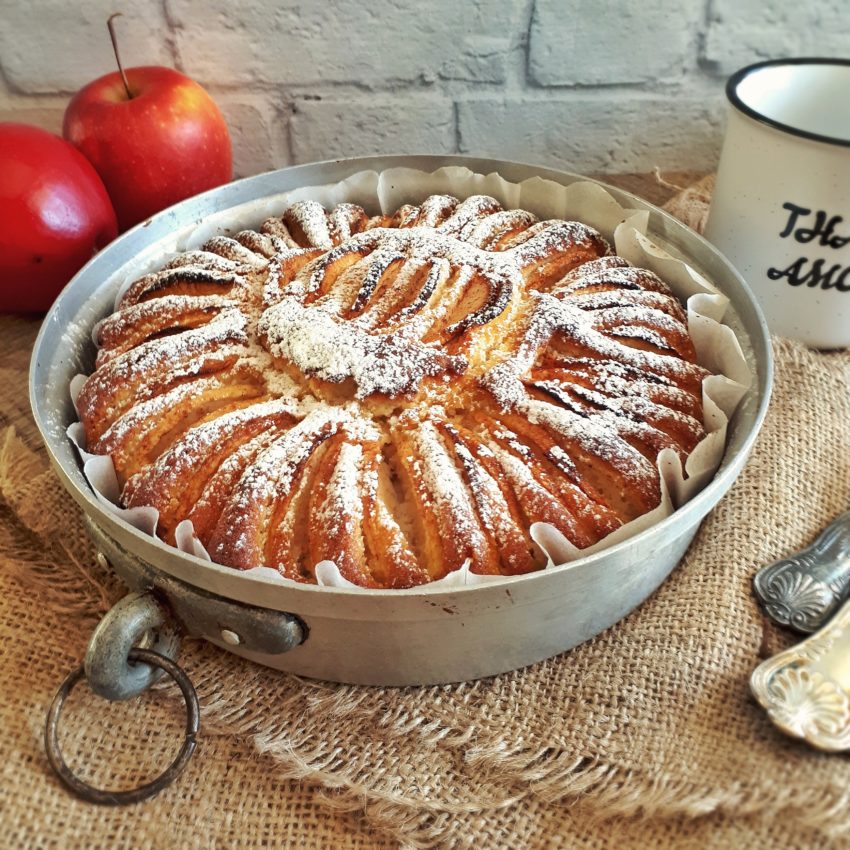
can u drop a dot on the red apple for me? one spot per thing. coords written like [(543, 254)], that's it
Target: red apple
[(164, 142), (54, 215)]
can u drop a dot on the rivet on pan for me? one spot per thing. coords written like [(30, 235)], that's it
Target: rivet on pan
[(230, 637), (102, 561)]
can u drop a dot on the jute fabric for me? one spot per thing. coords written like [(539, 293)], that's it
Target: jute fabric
[(645, 736)]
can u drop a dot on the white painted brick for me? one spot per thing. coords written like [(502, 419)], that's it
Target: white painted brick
[(346, 41), (480, 60), (608, 41), (47, 117), (293, 76), (258, 133), (744, 31), (327, 130), (618, 134), (57, 46)]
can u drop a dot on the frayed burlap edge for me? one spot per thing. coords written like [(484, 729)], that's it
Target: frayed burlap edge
[(691, 205)]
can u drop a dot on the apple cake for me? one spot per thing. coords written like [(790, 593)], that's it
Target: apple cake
[(399, 394)]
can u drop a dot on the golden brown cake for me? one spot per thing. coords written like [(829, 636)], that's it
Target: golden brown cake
[(397, 394)]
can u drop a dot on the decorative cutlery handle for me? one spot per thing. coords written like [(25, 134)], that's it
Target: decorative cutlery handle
[(804, 590), (806, 689)]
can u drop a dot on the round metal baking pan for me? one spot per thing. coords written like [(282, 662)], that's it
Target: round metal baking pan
[(422, 636)]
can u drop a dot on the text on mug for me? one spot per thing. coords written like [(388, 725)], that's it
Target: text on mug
[(801, 272)]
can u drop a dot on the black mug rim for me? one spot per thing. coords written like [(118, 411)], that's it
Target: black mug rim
[(739, 76)]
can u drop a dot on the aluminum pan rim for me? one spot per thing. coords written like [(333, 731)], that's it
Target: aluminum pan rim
[(170, 560)]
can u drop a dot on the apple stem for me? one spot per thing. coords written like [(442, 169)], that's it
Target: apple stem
[(110, 26)]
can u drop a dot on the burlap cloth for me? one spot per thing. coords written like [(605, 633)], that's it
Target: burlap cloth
[(645, 736)]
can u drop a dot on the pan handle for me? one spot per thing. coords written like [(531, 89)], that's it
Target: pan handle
[(138, 620), (132, 646)]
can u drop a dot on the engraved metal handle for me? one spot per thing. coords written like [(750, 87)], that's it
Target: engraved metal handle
[(806, 689), (804, 590)]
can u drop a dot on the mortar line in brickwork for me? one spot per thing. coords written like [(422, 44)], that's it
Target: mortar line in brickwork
[(170, 36), (325, 87), (15, 94), (526, 46), (704, 64), (13, 89), (336, 92), (456, 119), (631, 85), (287, 113)]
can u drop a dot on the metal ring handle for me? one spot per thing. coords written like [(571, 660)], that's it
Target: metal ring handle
[(128, 622), (119, 798)]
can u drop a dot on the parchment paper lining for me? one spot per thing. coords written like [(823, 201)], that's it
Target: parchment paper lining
[(716, 345)]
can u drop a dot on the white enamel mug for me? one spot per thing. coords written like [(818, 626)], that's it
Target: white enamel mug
[(781, 207)]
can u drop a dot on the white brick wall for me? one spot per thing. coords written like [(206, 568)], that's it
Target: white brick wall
[(323, 129), (59, 46), (593, 85), (594, 42), (744, 31), (624, 131)]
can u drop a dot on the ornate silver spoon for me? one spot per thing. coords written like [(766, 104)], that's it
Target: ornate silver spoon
[(805, 589), (806, 689)]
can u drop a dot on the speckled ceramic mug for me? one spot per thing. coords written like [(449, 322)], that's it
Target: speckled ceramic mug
[(781, 208)]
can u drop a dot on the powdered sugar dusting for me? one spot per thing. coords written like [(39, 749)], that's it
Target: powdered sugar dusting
[(338, 341), (310, 219), (312, 339), (341, 513), (197, 442), (445, 488), (319, 340)]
